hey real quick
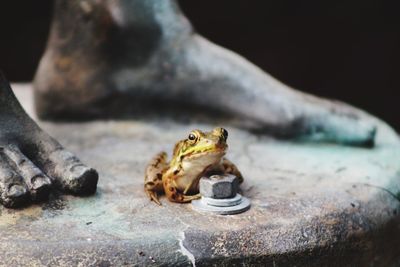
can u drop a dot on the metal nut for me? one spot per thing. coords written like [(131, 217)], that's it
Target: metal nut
[(219, 186)]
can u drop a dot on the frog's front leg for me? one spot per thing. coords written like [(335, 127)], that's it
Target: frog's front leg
[(228, 167), (153, 176), (172, 192)]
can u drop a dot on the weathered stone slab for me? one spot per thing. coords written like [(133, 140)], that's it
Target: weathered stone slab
[(312, 205)]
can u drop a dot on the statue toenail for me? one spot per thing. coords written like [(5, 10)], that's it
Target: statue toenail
[(39, 181), (78, 168), (16, 191)]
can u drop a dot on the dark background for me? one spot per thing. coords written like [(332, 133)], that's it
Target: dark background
[(348, 50)]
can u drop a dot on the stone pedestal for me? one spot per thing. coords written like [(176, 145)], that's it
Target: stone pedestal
[(312, 205)]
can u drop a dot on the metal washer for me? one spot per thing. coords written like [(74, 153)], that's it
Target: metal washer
[(219, 206)]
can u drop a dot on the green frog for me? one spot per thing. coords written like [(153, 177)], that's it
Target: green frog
[(200, 154)]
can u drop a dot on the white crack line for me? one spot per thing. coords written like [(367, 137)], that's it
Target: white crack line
[(184, 250)]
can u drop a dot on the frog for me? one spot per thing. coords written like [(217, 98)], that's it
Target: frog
[(200, 154)]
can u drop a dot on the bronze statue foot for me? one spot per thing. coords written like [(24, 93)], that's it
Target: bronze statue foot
[(31, 162), (109, 58)]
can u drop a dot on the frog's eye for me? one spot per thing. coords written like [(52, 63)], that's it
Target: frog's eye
[(191, 137)]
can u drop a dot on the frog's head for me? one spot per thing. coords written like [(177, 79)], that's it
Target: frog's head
[(204, 148)]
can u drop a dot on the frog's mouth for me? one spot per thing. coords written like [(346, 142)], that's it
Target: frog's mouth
[(209, 151)]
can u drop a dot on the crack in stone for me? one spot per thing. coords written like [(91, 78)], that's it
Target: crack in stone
[(181, 239), (185, 251)]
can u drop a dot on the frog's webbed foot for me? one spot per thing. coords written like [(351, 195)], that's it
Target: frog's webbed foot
[(175, 195), (179, 197), (153, 176)]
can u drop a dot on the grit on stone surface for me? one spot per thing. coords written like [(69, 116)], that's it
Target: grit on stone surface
[(312, 204)]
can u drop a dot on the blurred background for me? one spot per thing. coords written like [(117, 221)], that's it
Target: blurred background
[(347, 50)]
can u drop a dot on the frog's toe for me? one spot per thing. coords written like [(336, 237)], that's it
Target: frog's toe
[(192, 197), (197, 196), (153, 197)]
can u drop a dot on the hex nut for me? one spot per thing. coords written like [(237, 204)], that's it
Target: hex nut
[(219, 186)]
